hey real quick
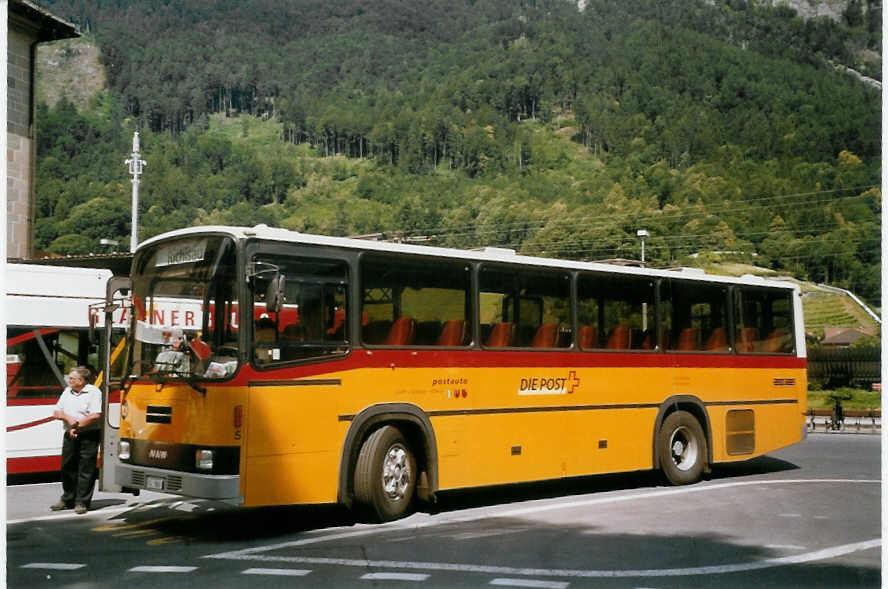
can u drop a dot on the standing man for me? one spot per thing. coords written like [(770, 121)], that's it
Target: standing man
[(80, 408)]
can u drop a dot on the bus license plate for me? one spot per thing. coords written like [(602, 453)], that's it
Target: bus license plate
[(154, 483)]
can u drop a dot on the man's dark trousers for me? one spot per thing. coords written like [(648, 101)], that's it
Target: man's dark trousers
[(79, 467)]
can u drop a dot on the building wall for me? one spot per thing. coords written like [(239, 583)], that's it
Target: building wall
[(20, 152)]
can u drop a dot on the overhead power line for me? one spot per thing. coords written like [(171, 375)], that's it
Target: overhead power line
[(658, 216)]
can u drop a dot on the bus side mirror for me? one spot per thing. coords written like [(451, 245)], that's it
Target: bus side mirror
[(93, 335), (274, 296)]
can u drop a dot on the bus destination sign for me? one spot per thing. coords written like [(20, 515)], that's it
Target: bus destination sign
[(181, 253)]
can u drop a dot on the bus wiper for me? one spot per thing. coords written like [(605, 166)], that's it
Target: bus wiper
[(163, 377)]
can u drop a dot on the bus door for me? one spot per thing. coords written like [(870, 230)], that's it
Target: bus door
[(113, 362)]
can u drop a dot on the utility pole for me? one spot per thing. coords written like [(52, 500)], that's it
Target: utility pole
[(135, 164)]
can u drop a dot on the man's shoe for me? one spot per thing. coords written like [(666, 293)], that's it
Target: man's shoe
[(59, 506), (80, 509)]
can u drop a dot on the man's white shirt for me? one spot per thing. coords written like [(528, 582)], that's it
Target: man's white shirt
[(79, 405)]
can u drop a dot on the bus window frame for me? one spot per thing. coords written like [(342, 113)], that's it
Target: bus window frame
[(729, 315), (133, 350), (787, 293), (255, 247), (563, 273), (470, 300), (656, 282)]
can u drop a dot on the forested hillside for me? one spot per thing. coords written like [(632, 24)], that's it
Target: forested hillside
[(723, 128)]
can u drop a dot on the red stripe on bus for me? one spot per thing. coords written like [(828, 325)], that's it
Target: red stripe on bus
[(379, 358), (13, 428), (21, 402), (114, 397), (33, 464), (27, 336)]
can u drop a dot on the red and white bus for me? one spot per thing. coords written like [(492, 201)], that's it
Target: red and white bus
[(47, 316)]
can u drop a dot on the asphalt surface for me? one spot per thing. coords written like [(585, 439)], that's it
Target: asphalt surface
[(807, 516)]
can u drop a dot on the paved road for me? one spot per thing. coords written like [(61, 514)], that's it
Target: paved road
[(807, 516)]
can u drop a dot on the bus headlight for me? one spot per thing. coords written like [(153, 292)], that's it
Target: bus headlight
[(203, 459), (123, 450)]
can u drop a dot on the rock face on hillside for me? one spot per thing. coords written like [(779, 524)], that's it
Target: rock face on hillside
[(814, 8), (70, 68)]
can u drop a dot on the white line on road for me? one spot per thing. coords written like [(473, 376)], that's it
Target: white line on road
[(530, 583), (280, 572), (58, 566), (784, 547), (161, 569), (416, 522), (394, 577), (824, 554)]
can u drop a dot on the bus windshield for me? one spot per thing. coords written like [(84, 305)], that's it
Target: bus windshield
[(185, 310)]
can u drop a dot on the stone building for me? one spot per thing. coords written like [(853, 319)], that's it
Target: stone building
[(28, 24)]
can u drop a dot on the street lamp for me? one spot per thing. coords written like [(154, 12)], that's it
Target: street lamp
[(642, 233)]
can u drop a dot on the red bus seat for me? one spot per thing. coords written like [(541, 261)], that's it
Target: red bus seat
[(688, 339), (588, 337), (717, 340), (620, 338), (338, 320), (402, 332), (546, 336), (453, 333), (776, 342), (501, 335)]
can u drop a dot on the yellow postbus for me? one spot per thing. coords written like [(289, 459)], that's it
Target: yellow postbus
[(268, 367)]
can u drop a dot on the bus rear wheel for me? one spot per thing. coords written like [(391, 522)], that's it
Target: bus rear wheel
[(682, 448), (385, 475)]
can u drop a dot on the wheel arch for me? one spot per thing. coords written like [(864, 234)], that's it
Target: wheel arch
[(692, 405), (416, 427)]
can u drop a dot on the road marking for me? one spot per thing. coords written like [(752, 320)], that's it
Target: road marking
[(164, 540), (135, 533), (789, 515), (394, 577), (530, 583), (118, 527), (784, 547), (58, 566), (418, 521), (161, 569), (483, 534), (824, 554), (280, 572)]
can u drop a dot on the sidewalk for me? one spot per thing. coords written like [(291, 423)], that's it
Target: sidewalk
[(32, 501), (851, 425)]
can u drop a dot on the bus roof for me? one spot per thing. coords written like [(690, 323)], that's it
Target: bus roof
[(52, 296), (489, 254)]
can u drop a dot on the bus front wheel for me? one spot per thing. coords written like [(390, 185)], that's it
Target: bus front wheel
[(682, 448), (385, 474)]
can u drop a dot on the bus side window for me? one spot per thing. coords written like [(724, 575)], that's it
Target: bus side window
[(313, 318), (698, 316), (411, 302), (616, 312), (763, 321)]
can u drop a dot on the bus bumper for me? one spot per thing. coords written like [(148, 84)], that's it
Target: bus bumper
[(204, 486)]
